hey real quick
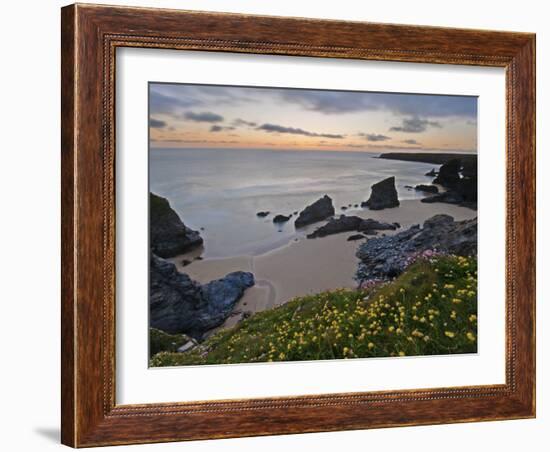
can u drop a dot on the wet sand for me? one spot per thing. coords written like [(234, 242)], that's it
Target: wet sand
[(308, 266)]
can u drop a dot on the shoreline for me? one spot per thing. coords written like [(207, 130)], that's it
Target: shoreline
[(306, 266)]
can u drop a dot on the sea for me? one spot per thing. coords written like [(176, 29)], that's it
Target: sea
[(220, 191)]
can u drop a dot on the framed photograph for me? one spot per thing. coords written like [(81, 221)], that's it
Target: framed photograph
[(281, 225)]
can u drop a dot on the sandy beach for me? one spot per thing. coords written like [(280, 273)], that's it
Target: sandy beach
[(307, 266)]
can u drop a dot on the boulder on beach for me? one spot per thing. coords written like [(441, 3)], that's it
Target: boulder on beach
[(350, 223), (383, 195), (354, 237), (427, 188), (281, 218), (449, 197), (263, 214), (387, 257), (168, 234), (177, 304), (318, 211)]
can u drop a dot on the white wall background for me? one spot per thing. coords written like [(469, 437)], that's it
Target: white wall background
[(29, 114)]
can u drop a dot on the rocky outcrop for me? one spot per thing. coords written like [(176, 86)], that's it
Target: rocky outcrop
[(383, 195), (469, 167), (168, 234), (427, 188), (350, 223), (318, 211), (467, 189), (459, 177), (387, 257), (431, 173), (281, 218), (177, 304), (463, 194), (263, 214), (449, 174)]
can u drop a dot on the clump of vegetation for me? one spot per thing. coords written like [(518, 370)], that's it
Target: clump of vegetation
[(430, 309), (161, 341)]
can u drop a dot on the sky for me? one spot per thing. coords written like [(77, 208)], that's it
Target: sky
[(215, 116)]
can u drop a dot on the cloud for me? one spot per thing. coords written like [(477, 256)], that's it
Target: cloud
[(423, 105), (167, 104), (205, 116), (374, 137), (156, 123), (217, 128), (414, 125), (352, 145), (274, 128), (172, 98), (241, 122), (181, 140), (411, 142)]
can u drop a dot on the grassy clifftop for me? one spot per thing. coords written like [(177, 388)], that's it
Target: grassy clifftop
[(430, 309)]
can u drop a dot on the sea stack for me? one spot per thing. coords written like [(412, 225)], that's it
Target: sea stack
[(383, 195), (169, 235), (318, 211), (427, 188), (449, 174)]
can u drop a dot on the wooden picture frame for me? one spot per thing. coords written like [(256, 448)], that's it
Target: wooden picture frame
[(90, 36)]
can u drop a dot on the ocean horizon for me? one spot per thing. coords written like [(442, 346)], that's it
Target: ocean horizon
[(219, 191)]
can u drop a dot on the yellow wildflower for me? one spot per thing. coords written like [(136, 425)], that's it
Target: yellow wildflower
[(449, 334)]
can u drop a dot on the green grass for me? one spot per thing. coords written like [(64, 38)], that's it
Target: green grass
[(430, 309), (161, 341)]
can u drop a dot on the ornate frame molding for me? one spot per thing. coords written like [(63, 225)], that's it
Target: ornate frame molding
[(90, 37)]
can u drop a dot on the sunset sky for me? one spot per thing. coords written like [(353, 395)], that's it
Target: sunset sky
[(206, 116)]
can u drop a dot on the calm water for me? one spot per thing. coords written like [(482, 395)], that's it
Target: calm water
[(221, 190)]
